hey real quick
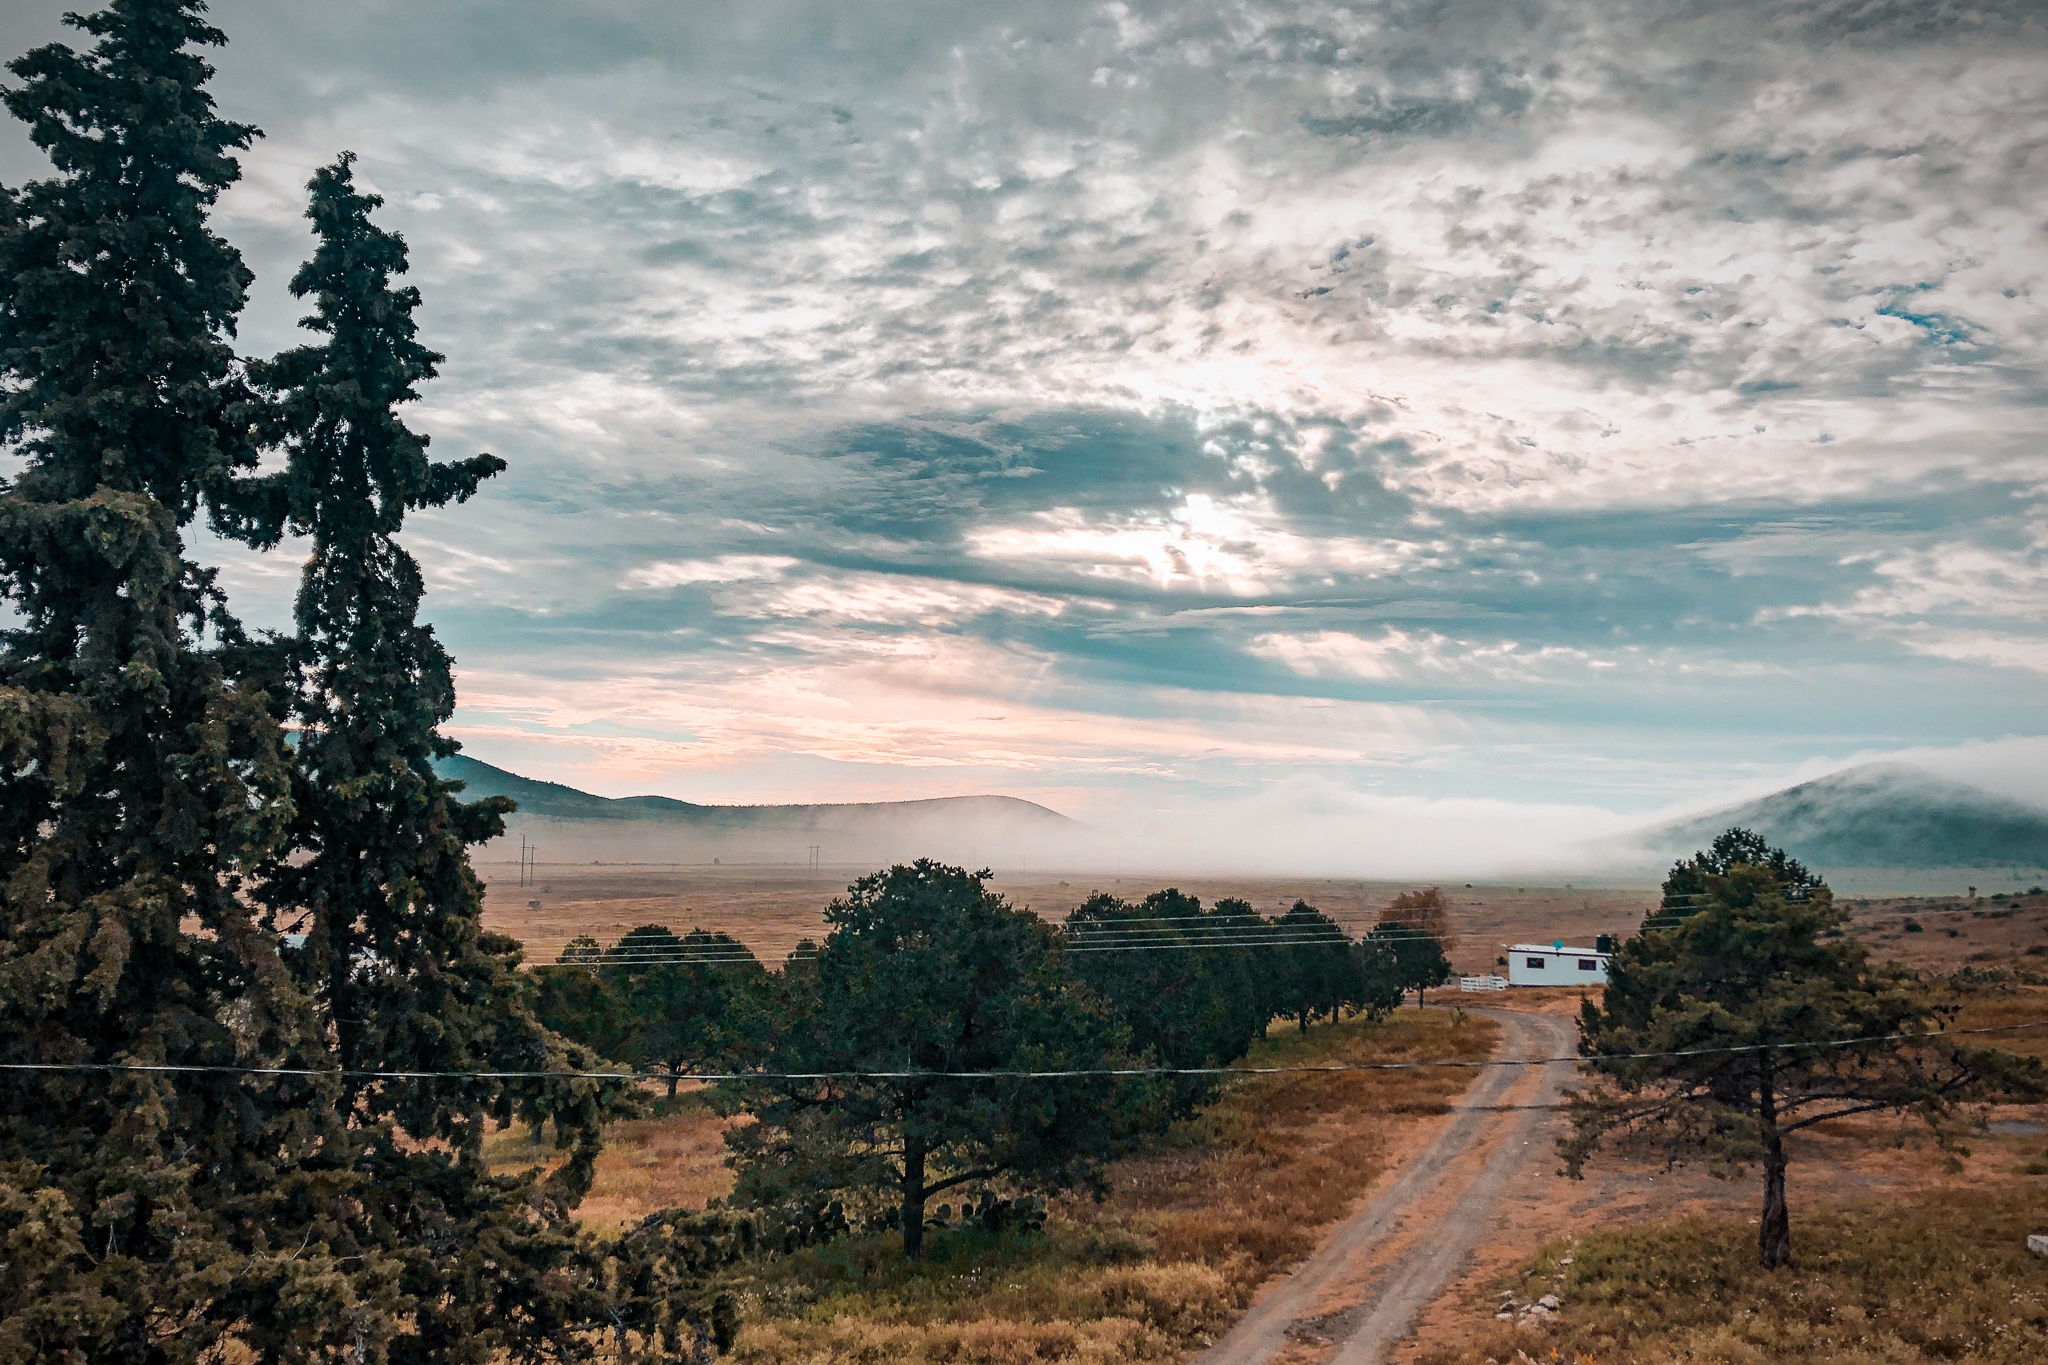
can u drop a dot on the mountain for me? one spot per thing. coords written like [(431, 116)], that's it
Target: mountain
[(554, 801), (1879, 815), (576, 827)]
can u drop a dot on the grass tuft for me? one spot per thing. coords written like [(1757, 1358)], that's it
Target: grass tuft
[(1949, 1279)]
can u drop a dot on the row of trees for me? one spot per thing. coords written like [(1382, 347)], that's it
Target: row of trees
[(204, 1150), (928, 973)]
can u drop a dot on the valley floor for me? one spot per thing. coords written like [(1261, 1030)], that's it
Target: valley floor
[(1903, 1255)]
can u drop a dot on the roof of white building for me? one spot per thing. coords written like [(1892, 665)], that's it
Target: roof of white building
[(1564, 951)]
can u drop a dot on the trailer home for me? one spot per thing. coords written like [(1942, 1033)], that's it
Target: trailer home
[(1555, 964)]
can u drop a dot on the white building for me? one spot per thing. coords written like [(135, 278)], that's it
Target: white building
[(1555, 964)]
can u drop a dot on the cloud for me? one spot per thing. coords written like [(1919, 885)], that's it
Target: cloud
[(1398, 654), (1616, 401), (723, 569)]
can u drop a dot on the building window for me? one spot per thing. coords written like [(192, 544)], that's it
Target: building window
[(1589, 964), (1535, 964)]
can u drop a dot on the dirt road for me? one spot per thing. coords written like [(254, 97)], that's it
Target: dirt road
[(1364, 1287)]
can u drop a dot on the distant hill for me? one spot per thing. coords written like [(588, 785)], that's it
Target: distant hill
[(554, 801), (1879, 815)]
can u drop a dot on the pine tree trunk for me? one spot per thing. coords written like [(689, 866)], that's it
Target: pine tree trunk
[(1774, 1228), (913, 1196)]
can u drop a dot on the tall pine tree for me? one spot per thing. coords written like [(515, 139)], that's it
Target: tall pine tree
[(139, 782), (210, 1158), (467, 1266), (381, 882)]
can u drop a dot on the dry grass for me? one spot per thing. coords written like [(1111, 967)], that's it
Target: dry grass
[(676, 1161), (668, 1163), (2001, 1002), (1945, 1278), (1167, 1260)]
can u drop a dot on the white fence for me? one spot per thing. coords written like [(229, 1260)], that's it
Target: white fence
[(1482, 983)]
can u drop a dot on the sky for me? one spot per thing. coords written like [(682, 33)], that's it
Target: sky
[(1488, 415)]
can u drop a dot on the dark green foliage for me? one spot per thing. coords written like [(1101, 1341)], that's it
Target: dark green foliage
[(144, 1214), (1239, 963), (1416, 957), (654, 999), (1690, 881), (396, 953), (1787, 1029), (927, 971), (1318, 970), (576, 1000), (582, 948), (158, 836), (704, 1012), (1417, 929), (1180, 980)]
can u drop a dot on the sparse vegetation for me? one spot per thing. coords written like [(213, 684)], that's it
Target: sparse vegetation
[(1728, 1024), (1946, 1278), (1165, 1261)]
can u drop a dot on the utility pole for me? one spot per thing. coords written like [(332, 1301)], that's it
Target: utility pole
[(814, 858)]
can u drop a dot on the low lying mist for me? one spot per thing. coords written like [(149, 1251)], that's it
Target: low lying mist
[(1305, 829)]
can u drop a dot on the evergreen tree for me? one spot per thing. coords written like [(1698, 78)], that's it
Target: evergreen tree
[(927, 974), (461, 1265), (705, 1010), (1150, 962), (654, 998), (1416, 929), (1730, 1024), (1241, 967), (1317, 970), (1689, 884), (222, 1165), (144, 1213)]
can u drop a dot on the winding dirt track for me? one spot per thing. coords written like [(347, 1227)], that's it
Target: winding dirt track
[(1380, 1268)]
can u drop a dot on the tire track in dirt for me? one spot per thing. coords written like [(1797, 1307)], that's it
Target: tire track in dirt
[(1378, 1303)]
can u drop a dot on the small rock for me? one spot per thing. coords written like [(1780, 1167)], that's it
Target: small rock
[(2037, 1243), (1564, 1260), (1505, 1315), (1549, 1301)]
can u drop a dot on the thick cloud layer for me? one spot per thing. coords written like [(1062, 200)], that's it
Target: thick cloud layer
[(1122, 405)]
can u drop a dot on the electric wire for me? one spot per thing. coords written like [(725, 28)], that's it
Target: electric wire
[(1066, 1073)]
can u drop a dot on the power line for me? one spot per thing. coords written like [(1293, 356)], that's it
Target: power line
[(1227, 935), (602, 957), (1070, 1073), (1126, 934)]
